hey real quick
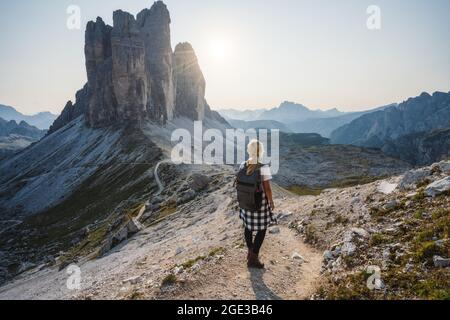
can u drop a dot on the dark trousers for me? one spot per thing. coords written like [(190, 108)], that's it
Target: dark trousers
[(254, 245)]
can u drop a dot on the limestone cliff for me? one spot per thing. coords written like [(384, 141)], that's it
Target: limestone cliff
[(133, 74)]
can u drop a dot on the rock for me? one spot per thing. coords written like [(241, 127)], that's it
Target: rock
[(187, 196), (440, 262), (444, 166), (440, 243), (386, 187), (274, 230), (133, 227), (133, 280), (336, 252), (283, 216), (120, 236), (348, 236), (298, 256), (179, 251), (199, 182), (189, 83), (360, 232), (25, 266), (129, 76), (106, 246), (386, 254), (348, 248), (414, 177), (154, 25), (409, 267), (328, 255), (391, 205), (438, 187), (178, 270)]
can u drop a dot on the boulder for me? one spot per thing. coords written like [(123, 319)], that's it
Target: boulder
[(438, 187), (274, 230), (133, 227), (298, 256), (391, 205), (199, 182), (444, 166), (328, 255), (440, 262), (348, 248), (360, 232), (414, 177)]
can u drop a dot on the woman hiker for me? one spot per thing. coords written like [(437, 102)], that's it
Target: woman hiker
[(255, 201)]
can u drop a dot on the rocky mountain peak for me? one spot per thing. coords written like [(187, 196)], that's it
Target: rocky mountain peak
[(189, 82), (133, 74)]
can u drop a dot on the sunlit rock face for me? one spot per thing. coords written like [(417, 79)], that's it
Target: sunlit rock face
[(133, 74), (189, 83), (154, 27)]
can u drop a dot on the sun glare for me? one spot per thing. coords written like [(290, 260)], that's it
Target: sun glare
[(221, 49)]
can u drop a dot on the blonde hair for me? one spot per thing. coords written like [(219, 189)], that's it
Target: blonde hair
[(255, 150)]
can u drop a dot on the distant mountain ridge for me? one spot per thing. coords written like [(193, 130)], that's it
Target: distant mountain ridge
[(16, 136), (22, 128), (290, 111), (293, 117), (325, 126), (42, 120), (420, 114)]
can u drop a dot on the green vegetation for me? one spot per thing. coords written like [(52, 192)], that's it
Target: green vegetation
[(311, 234), (165, 211), (169, 280), (216, 251), (305, 191), (190, 263), (378, 239)]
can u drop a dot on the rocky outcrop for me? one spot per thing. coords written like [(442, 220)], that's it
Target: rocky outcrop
[(133, 74), (189, 82), (71, 111)]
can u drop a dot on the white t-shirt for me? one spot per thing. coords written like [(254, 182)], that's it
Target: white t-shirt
[(266, 175)]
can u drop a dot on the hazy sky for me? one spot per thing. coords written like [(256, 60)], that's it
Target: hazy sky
[(254, 53)]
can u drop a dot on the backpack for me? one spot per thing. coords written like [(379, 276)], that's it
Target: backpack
[(249, 189)]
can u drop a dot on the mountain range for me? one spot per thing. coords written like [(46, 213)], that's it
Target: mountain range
[(405, 131), (42, 120), (293, 117), (17, 136)]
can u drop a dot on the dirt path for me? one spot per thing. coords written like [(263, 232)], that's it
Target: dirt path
[(228, 277)]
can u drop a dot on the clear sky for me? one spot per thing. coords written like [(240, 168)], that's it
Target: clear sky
[(254, 53)]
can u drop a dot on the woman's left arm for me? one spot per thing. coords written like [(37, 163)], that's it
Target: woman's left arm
[(268, 191)]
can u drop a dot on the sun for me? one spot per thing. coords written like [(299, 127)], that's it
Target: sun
[(221, 49)]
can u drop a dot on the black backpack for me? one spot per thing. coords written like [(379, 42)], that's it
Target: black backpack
[(249, 189)]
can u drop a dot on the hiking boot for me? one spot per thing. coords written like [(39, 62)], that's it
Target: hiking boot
[(253, 261)]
